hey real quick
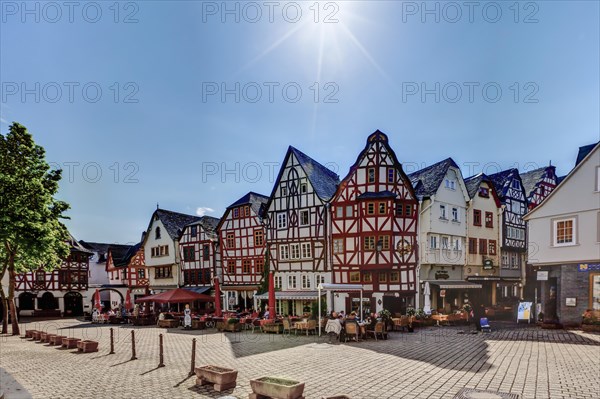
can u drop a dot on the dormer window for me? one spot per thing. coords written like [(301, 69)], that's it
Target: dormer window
[(515, 184), (157, 233), (450, 184), (484, 192), (194, 231)]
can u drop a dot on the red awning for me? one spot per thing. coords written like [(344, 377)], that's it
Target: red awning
[(179, 295)]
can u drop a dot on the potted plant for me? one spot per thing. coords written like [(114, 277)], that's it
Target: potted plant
[(277, 388), (411, 313), (467, 308), (222, 378), (591, 321), (386, 316)]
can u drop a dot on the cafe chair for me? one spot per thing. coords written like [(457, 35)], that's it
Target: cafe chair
[(485, 325), (379, 329), (351, 331)]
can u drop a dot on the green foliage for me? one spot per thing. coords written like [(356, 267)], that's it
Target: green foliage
[(410, 311), (30, 230), (385, 315)]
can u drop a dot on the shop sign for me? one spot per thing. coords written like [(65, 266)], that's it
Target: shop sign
[(488, 264), (542, 275), (589, 267), (571, 301), (442, 275)]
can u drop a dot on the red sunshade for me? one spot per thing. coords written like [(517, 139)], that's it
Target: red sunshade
[(179, 295)]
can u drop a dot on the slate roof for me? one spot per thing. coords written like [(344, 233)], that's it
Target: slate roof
[(122, 254), (559, 179), (531, 179), (380, 194), (473, 183), (174, 222), (323, 180), (99, 247), (76, 246), (584, 151), (427, 180), (208, 223), (501, 179), (255, 200)]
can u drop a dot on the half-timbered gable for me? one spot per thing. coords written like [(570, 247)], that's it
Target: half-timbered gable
[(296, 224), (374, 226), (198, 252), (116, 264), (512, 195), (137, 272), (443, 198), (242, 243), (538, 184), (161, 248)]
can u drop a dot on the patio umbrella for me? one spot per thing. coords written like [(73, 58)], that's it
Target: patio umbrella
[(97, 301), (427, 295), (218, 311), (178, 295), (271, 296), (128, 300)]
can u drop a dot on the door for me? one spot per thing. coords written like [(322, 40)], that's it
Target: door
[(73, 304)]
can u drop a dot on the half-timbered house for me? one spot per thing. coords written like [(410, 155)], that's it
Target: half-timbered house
[(443, 199), (513, 234), (242, 241), (62, 290), (538, 184), (374, 231), (297, 220), (138, 280), (483, 235), (161, 248), (117, 270)]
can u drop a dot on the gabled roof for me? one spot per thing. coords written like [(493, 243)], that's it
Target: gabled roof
[(255, 200), (174, 222), (122, 254), (76, 246), (427, 180), (208, 223), (584, 151), (323, 180), (500, 180), (472, 183), (100, 247), (380, 194), (531, 179)]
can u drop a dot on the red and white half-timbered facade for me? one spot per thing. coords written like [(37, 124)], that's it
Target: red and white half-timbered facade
[(538, 184), (374, 230), (137, 273), (242, 241)]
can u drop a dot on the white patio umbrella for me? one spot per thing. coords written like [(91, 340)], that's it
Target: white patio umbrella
[(427, 295)]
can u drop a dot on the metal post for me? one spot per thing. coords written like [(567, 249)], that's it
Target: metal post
[(133, 357), (161, 362), (319, 301), (535, 319), (112, 341), (193, 368)]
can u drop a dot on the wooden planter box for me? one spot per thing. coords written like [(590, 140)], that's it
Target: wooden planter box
[(57, 339), (273, 327), (36, 335), (49, 337), (43, 337), (198, 325), (70, 343), (87, 346), (276, 388), (168, 323), (590, 327), (232, 327), (29, 333), (221, 378)]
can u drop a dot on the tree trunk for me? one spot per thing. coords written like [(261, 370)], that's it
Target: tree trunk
[(11, 295), (4, 303)]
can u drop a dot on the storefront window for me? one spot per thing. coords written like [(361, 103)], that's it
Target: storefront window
[(595, 291)]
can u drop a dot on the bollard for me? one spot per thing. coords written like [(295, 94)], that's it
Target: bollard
[(161, 361), (193, 369), (112, 342), (133, 357)]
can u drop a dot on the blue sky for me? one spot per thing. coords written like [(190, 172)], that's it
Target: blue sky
[(161, 131)]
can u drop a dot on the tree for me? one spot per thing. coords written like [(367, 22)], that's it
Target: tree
[(31, 234)]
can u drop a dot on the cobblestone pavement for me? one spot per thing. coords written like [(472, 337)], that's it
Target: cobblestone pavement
[(434, 362)]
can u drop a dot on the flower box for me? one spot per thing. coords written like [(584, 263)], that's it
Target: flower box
[(48, 337), (276, 388), (42, 337), (57, 339), (227, 326), (222, 378), (36, 335), (87, 346), (29, 333), (590, 327), (70, 343)]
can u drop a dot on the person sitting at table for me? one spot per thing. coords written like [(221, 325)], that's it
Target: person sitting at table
[(333, 325), (267, 314), (161, 316)]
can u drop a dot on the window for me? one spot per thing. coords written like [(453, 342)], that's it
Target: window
[(457, 244), (489, 219), (433, 242), (303, 188), (230, 240), (385, 242), (246, 211), (367, 277), (382, 208), (408, 210), (194, 231), (141, 273), (370, 208), (246, 266), (472, 245), (400, 210), (281, 220), (455, 215), (564, 232), (476, 217), (157, 233), (306, 250), (189, 255), (291, 281), (483, 246), (371, 175), (484, 192), (164, 250), (450, 184), (259, 266), (505, 261), (394, 277), (355, 277), (283, 190), (339, 212), (515, 260), (492, 247), (162, 272), (40, 276), (515, 184), (319, 279), (338, 245), (231, 266), (369, 243), (205, 252), (284, 252), (295, 251), (278, 282), (443, 212), (305, 281), (349, 211), (382, 277), (304, 220), (445, 244), (236, 213), (391, 175), (259, 238)]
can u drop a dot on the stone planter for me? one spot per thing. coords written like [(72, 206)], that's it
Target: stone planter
[(29, 333), (70, 343), (43, 336), (221, 378), (590, 328), (276, 388), (48, 337), (87, 346), (57, 339), (36, 335)]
